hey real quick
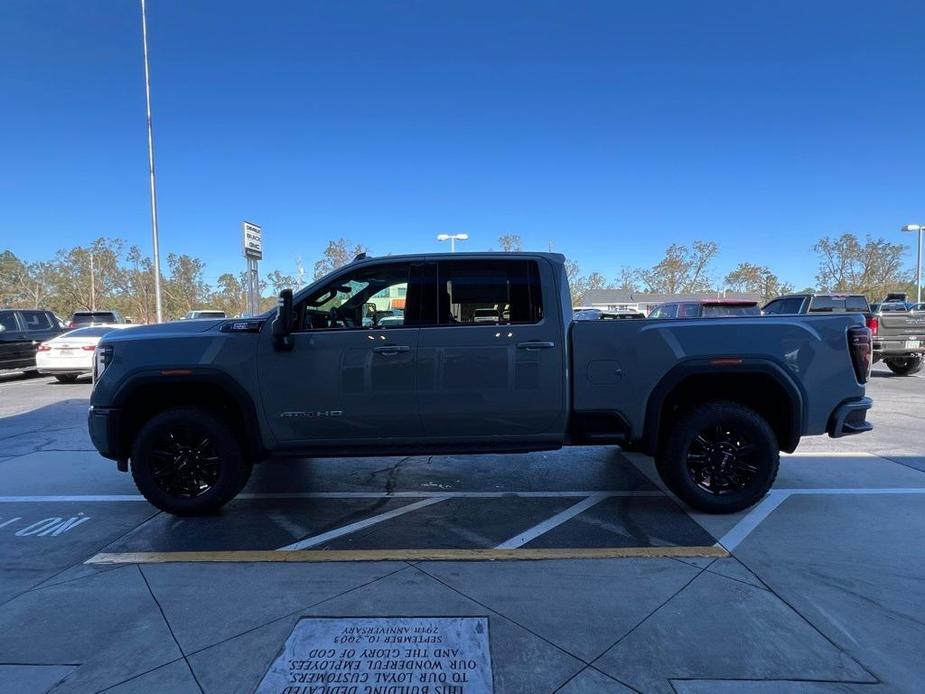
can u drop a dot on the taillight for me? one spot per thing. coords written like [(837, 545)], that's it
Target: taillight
[(861, 347), (873, 324), (70, 324), (88, 348), (43, 348)]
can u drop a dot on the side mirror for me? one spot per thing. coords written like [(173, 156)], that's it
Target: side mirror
[(282, 324)]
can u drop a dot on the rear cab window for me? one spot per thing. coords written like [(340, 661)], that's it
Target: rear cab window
[(730, 310), (489, 292)]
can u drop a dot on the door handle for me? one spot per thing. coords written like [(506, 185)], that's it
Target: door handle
[(390, 350), (535, 344)]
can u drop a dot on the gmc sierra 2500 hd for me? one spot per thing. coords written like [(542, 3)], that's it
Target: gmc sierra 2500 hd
[(478, 353)]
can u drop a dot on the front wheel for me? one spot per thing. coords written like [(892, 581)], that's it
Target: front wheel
[(720, 457), (187, 461), (904, 366)]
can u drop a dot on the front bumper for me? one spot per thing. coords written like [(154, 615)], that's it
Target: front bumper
[(850, 418), (103, 424)]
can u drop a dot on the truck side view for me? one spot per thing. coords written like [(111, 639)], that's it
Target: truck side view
[(470, 353)]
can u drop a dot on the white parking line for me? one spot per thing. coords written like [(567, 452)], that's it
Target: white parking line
[(733, 538), (553, 522), (359, 525), (349, 495)]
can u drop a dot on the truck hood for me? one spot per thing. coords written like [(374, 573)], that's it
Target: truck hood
[(180, 327)]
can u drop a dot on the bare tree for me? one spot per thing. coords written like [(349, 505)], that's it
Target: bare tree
[(757, 279), (873, 267), (337, 254), (682, 270), (510, 243)]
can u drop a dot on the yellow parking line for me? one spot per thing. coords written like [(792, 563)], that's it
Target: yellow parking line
[(320, 555)]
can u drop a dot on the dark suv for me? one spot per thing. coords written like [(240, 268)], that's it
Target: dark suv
[(21, 332)]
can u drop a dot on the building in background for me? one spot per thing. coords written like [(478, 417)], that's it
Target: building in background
[(616, 300)]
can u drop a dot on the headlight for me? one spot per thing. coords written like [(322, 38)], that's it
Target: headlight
[(101, 359)]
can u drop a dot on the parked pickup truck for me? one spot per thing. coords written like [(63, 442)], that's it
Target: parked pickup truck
[(190, 406), (898, 330)]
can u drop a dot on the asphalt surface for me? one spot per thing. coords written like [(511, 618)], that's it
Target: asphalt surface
[(819, 587)]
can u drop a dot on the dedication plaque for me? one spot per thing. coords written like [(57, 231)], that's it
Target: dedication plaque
[(383, 655)]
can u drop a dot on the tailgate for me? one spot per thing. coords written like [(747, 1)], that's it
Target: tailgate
[(898, 324)]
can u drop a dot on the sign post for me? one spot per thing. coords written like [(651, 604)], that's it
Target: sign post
[(252, 247)]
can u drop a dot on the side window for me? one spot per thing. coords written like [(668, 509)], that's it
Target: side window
[(368, 298), (489, 292), (668, 311), (8, 321), (773, 308), (36, 320), (794, 305), (689, 311)]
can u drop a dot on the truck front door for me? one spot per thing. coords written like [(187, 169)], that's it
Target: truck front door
[(350, 374), (494, 364)]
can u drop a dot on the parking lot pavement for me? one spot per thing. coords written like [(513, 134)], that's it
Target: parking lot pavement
[(820, 590)]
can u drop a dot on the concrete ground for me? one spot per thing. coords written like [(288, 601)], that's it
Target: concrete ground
[(822, 588)]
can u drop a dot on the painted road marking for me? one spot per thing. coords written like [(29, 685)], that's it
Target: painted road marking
[(733, 538), (349, 495), (316, 540), (553, 522), (321, 555), (53, 525)]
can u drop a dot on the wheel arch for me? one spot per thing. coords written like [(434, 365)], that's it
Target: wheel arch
[(146, 394), (747, 382)]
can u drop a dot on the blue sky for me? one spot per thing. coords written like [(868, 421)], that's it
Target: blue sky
[(610, 129)]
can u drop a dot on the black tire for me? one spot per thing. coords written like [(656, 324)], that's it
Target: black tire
[(188, 462), (904, 366), (719, 457), (66, 378)]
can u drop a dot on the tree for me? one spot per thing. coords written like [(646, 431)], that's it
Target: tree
[(86, 277), (683, 270), (510, 243), (278, 281), (137, 287), (337, 254), (24, 285), (756, 279), (627, 280), (185, 289), (873, 267)]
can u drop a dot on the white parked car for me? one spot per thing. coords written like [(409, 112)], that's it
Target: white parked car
[(71, 354)]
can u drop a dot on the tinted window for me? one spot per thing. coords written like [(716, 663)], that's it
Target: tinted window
[(8, 321), (719, 310), (36, 320), (773, 308), (856, 303), (668, 311), (689, 311), (792, 305), (488, 292), (85, 318)]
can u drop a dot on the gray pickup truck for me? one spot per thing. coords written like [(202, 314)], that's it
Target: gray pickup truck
[(898, 330), (190, 406)]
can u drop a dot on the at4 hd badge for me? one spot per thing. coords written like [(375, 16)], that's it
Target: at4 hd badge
[(318, 413)]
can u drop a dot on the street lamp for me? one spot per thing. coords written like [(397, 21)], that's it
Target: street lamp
[(918, 260), (153, 187), (452, 238)]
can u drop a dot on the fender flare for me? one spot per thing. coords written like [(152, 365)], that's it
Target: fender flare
[(748, 366)]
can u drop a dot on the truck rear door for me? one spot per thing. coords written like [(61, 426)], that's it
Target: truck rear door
[(494, 364)]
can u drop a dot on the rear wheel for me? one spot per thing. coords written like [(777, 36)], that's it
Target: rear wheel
[(720, 457), (187, 461), (904, 366), (66, 378)]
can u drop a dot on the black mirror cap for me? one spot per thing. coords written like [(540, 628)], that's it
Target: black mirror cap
[(282, 324)]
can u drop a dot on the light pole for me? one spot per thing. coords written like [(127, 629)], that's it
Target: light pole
[(157, 253), (918, 261), (452, 238)]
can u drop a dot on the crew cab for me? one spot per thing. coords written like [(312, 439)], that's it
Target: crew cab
[(190, 406), (898, 329)]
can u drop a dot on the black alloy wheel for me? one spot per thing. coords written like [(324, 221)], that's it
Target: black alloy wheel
[(719, 457), (184, 462), (188, 461)]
